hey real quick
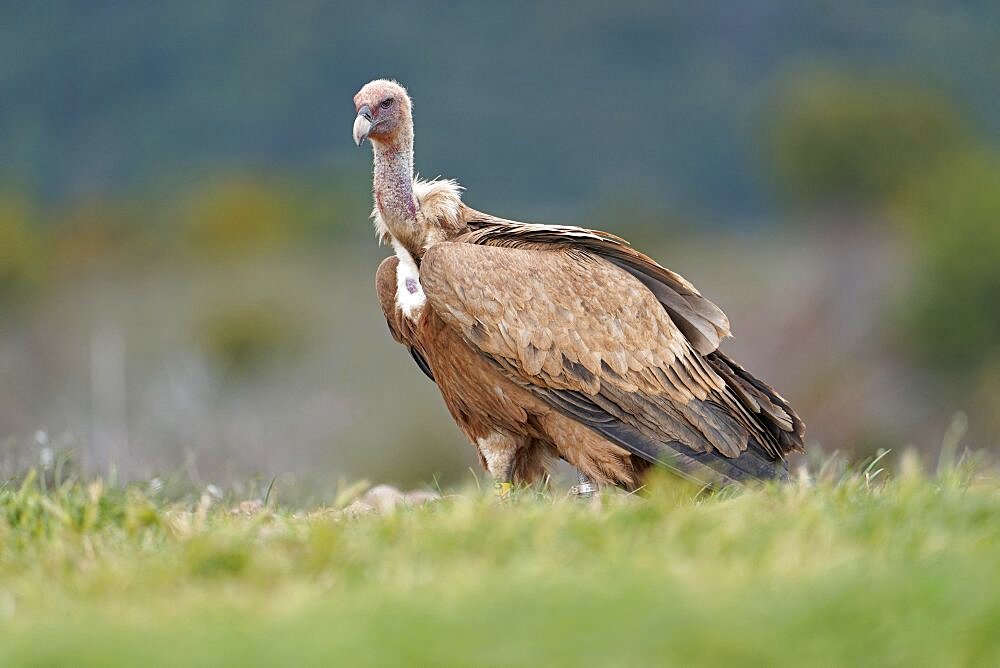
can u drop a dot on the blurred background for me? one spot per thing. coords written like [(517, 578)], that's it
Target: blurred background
[(186, 261)]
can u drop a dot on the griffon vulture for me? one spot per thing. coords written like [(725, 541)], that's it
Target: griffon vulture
[(551, 341)]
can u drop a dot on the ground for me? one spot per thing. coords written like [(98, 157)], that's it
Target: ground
[(901, 571)]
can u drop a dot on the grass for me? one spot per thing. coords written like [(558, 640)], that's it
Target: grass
[(860, 571)]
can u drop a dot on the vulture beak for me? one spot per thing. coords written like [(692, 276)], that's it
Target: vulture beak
[(362, 124)]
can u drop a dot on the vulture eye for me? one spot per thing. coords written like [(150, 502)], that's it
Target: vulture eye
[(386, 103)]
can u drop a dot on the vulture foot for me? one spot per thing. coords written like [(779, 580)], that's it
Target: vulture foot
[(503, 490), (586, 489)]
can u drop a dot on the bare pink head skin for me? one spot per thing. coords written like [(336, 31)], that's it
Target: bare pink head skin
[(385, 119), (384, 114)]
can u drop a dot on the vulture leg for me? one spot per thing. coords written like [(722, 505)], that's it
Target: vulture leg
[(498, 450), (585, 488), (503, 487)]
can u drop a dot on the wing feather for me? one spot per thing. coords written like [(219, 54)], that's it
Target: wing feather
[(701, 321), (594, 342)]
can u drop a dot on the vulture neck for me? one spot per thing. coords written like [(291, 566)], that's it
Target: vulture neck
[(393, 189)]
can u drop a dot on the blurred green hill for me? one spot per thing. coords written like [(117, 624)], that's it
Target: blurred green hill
[(537, 107)]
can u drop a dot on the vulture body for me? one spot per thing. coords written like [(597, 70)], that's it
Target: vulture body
[(560, 342)]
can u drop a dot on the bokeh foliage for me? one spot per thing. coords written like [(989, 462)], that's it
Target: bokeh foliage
[(839, 140), (21, 252), (239, 216), (873, 146), (241, 338), (952, 214)]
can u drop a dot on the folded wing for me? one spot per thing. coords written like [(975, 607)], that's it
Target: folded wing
[(605, 338)]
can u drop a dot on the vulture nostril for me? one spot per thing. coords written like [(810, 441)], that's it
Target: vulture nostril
[(365, 112)]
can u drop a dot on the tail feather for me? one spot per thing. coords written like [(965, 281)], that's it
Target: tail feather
[(707, 467), (780, 422)]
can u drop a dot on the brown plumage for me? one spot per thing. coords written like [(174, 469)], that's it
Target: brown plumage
[(552, 341)]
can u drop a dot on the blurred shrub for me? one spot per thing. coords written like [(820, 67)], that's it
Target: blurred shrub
[(21, 251), (240, 216), (243, 339), (852, 141), (95, 234), (336, 204), (952, 213)]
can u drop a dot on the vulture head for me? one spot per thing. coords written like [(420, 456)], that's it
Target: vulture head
[(383, 109)]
